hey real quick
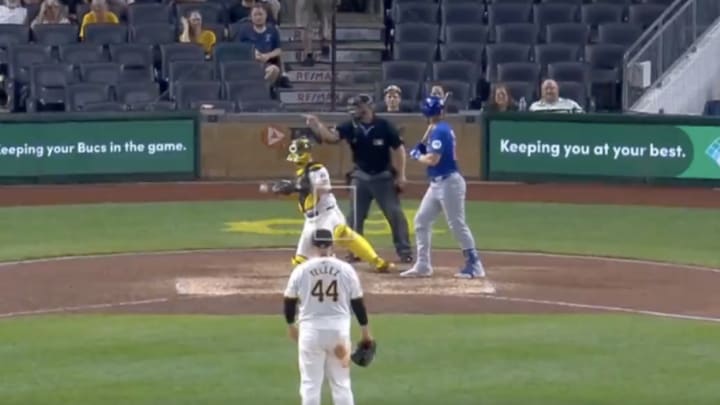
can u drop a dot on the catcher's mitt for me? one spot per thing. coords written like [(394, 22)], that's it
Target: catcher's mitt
[(364, 353)]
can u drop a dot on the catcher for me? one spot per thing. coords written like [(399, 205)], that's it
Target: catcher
[(319, 206)]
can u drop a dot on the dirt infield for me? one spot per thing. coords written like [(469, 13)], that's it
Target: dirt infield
[(250, 281)]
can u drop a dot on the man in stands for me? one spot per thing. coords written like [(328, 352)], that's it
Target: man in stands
[(266, 40), (393, 100), (305, 10), (552, 102)]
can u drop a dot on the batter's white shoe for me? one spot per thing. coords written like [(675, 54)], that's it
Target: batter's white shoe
[(417, 271)]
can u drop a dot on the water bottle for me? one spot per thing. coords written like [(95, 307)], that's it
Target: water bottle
[(522, 105)]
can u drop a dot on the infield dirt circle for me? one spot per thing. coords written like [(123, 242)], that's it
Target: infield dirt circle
[(251, 281)]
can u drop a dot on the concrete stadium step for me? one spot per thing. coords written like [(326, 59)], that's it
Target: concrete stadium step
[(349, 74), (312, 94)]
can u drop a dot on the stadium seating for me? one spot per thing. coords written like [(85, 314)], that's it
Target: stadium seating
[(579, 43), (136, 65)]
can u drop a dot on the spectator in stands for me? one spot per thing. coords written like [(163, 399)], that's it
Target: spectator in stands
[(266, 40), (193, 32), (501, 100), (99, 14), (240, 11), (51, 12), (438, 91), (552, 102), (393, 100), (306, 10), (13, 12)]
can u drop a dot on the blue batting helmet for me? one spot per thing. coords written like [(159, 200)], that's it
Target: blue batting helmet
[(432, 106)]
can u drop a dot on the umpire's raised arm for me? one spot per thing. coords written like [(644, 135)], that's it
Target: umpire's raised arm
[(320, 129)]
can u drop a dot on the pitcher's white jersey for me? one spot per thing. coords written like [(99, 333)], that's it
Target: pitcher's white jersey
[(324, 286)]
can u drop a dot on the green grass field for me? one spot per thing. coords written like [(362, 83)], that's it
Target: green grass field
[(168, 360)]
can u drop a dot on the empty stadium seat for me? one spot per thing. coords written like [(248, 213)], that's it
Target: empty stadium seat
[(131, 54), (415, 52), (179, 51), (598, 13), (404, 70), (576, 91), (105, 34), (504, 53), (81, 94), (415, 13), (508, 13), (236, 51), (187, 92), (48, 85), (461, 13), (568, 71), (100, 72), (518, 72), (153, 33), (519, 33), (619, 33), (416, 32), (145, 13), (79, 53), (55, 34), (553, 13), (455, 70), (546, 54), (520, 90), (462, 52), (568, 33), (644, 14), (191, 70), (241, 70), (466, 33)]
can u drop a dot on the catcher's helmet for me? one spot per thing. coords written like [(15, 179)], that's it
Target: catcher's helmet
[(299, 151), (432, 106)]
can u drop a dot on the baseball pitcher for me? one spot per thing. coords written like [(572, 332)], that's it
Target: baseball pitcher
[(318, 204), (446, 194), (326, 288)]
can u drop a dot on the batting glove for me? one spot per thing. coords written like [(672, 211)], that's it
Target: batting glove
[(415, 154), (421, 147)]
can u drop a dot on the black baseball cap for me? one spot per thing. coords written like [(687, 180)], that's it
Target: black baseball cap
[(322, 238), (360, 99)]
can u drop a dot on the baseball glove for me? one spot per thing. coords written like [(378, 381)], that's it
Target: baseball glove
[(364, 353), (283, 187)]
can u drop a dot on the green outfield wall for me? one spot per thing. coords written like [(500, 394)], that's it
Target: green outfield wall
[(535, 147)]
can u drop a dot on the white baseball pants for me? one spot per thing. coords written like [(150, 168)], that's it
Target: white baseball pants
[(316, 350)]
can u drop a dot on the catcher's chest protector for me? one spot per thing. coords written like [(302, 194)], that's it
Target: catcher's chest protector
[(306, 200)]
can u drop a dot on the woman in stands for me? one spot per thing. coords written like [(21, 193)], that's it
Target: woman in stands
[(99, 14), (194, 32), (51, 12), (501, 100)]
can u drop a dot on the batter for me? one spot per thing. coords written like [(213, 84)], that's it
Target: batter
[(446, 193), (318, 204)]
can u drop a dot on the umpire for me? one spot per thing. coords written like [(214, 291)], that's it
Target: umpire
[(379, 167)]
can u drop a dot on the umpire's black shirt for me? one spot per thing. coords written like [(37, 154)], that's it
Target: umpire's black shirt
[(371, 143)]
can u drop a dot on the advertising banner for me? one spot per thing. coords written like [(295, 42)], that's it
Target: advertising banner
[(98, 147), (603, 149)]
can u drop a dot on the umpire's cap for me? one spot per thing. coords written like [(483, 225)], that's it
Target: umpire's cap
[(322, 238), (360, 99)]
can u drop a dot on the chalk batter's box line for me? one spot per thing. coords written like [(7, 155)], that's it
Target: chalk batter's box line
[(352, 190)]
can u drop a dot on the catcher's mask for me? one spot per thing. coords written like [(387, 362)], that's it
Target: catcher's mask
[(299, 151)]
